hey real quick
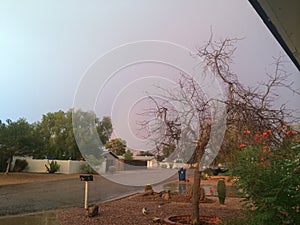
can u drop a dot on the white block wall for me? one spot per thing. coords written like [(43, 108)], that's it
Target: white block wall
[(38, 165)]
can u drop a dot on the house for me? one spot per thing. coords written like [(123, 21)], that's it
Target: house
[(139, 162)]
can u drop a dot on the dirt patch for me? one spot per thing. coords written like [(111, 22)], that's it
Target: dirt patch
[(129, 210), (21, 178)]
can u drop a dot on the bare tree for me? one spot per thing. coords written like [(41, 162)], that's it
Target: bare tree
[(165, 130), (250, 109)]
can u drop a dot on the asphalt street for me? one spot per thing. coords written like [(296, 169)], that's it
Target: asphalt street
[(42, 196)]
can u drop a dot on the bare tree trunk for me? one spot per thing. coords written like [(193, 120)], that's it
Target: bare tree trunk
[(8, 165), (202, 142), (195, 196)]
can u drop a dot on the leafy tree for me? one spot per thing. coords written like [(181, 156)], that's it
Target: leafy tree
[(16, 138), (168, 150), (57, 135), (56, 130), (90, 132), (104, 129), (3, 158), (128, 155), (52, 137), (117, 146)]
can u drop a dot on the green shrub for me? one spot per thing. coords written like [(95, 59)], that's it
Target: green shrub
[(128, 155), (270, 180), (203, 176), (234, 221), (20, 165), (52, 166), (86, 168)]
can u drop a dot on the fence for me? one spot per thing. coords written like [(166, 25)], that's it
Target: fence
[(38, 165)]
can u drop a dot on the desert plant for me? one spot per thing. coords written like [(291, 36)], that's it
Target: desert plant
[(221, 189), (52, 167), (20, 165), (86, 168), (270, 178)]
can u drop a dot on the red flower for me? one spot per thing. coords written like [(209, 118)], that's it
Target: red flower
[(265, 149), (267, 163), (264, 134), (242, 145), (247, 131)]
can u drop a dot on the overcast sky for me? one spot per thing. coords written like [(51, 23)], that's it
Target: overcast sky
[(46, 47)]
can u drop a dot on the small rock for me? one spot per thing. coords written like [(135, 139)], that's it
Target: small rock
[(145, 211), (92, 210), (148, 190), (156, 220), (166, 196)]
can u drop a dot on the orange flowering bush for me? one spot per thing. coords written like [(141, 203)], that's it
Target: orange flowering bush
[(270, 178)]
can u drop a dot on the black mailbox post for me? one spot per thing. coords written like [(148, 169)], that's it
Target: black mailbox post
[(86, 178)]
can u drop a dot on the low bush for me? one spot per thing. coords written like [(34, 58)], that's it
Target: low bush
[(52, 167), (86, 168), (270, 180), (20, 165)]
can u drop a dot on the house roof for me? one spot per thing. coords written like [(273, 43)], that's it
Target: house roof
[(282, 19), (140, 158), (105, 153)]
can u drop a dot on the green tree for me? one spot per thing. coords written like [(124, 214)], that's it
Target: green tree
[(168, 150), (2, 150), (117, 146), (128, 155), (16, 138), (90, 132), (58, 129), (104, 129)]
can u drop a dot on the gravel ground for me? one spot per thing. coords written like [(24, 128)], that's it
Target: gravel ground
[(129, 210)]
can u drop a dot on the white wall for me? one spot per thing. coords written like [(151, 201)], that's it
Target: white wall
[(38, 165)]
